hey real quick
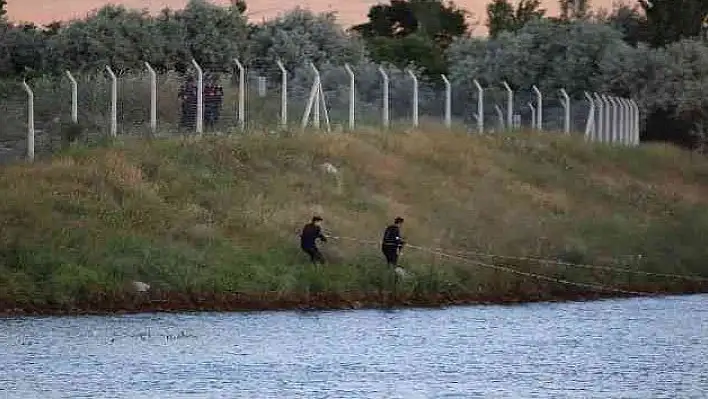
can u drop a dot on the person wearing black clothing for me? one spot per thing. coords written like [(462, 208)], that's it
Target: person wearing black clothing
[(213, 99), (392, 242), (308, 240), (188, 98)]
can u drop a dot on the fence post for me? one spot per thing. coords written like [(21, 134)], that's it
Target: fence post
[(320, 101), (624, 134), (153, 98), (352, 95), (283, 95), (533, 116), (635, 122), (114, 101), (539, 107), (500, 114), (241, 94), (200, 97), (566, 108), (448, 102), (30, 121), (385, 115), (509, 106), (590, 124), (615, 118), (316, 87), (608, 119), (600, 122), (480, 106), (415, 97), (74, 98)]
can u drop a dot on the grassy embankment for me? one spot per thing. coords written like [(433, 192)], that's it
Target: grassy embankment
[(201, 220)]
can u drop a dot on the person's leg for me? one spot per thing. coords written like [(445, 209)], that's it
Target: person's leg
[(318, 256), (391, 256), (309, 253)]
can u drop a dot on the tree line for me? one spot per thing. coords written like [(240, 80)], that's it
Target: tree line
[(654, 51)]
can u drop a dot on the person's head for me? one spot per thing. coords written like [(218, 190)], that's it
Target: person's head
[(398, 221), (316, 220)]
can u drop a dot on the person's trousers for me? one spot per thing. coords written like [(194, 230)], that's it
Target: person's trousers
[(315, 254), (391, 254)]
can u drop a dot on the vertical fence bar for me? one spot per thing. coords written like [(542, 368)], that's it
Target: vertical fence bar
[(200, 97), (74, 98), (599, 122), (385, 114), (635, 122), (539, 108), (566, 109), (30, 121), (533, 115), (590, 124), (615, 119), (352, 95), (480, 106), (500, 115), (608, 120), (448, 102), (283, 95), (623, 133), (153, 98), (114, 102), (316, 116), (509, 106), (241, 94), (415, 97)]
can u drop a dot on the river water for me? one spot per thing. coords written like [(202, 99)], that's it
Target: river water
[(625, 348)]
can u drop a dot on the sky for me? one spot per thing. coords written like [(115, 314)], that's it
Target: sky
[(349, 12)]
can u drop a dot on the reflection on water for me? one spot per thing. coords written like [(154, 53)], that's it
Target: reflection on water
[(629, 348)]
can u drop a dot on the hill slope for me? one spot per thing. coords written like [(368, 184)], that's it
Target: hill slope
[(217, 215)]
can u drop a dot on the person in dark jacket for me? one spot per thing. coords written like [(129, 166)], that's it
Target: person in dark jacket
[(308, 239), (188, 101), (213, 100), (392, 242)]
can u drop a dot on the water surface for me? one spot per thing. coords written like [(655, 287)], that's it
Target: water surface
[(627, 348)]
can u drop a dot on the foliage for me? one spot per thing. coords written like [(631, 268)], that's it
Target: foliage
[(669, 21), (299, 36), (502, 17), (407, 32), (574, 9), (554, 56)]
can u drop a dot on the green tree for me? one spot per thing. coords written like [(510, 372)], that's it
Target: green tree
[(669, 21), (413, 32), (574, 9), (502, 17)]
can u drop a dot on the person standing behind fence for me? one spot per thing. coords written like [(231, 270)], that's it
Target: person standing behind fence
[(187, 96), (213, 100)]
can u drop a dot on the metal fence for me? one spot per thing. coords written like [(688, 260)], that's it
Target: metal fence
[(38, 117)]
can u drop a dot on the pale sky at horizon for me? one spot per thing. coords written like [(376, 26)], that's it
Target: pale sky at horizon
[(349, 12)]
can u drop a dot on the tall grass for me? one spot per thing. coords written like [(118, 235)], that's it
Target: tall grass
[(221, 214)]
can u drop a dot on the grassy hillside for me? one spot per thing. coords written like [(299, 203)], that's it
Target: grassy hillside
[(221, 214)]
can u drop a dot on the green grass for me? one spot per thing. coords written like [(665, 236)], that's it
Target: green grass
[(221, 214)]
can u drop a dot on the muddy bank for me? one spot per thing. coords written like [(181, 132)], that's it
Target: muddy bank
[(235, 302)]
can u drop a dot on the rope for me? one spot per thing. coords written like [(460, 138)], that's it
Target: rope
[(581, 265), (555, 261), (596, 287)]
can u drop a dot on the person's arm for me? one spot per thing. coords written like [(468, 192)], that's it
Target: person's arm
[(320, 235), (399, 239)]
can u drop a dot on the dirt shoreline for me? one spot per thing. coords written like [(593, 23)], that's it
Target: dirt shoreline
[(171, 302)]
